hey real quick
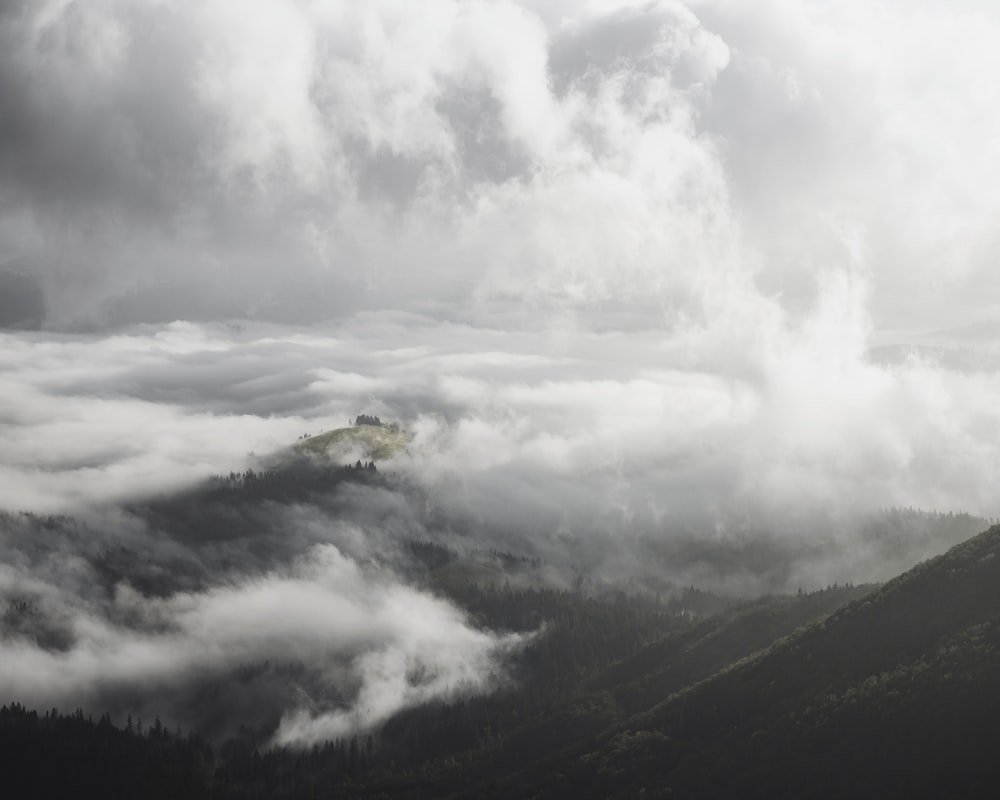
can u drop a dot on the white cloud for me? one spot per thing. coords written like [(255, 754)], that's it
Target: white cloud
[(357, 628), (762, 408), (873, 117), (308, 159)]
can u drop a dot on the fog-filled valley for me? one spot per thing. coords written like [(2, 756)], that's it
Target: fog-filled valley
[(308, 605), (498, 398)]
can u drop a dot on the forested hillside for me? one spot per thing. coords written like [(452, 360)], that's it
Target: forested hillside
[(894, 695), (614, 690)]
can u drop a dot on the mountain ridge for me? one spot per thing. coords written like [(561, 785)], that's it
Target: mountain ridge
[(790, 720)]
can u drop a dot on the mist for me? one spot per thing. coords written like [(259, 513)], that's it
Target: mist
[(681, 279)]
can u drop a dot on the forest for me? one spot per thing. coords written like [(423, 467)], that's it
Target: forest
[(618, 691)]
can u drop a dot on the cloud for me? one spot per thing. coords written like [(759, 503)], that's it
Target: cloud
[(323, 644), (596, 437), (869, 122), (635, 274), (309, 160), (377, 155)]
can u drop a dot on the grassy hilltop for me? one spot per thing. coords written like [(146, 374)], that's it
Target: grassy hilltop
[(364, 441)]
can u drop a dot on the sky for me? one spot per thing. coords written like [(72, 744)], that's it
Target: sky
[(622, 268), (305, 160), (755, 244)]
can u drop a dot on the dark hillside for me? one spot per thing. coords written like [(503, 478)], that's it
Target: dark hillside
[(897, 694), (618, 692)]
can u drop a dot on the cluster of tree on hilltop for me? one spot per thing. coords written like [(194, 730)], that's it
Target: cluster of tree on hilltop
[(369, 419)]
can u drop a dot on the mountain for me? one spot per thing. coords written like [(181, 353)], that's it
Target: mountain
[(897, 694), (375, 442), (620, 690)]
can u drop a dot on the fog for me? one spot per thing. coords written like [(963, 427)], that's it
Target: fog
[(624, 426), (633, 275), (308, 641)]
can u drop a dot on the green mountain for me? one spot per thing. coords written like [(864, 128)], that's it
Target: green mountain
[(896, 694), (375, 442), (851, 691)]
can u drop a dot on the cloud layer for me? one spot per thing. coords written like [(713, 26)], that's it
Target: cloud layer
[(592, 431), (303, 160)]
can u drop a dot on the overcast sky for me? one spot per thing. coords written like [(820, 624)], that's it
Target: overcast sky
[(301, 160), (621, 268), (756, 238)]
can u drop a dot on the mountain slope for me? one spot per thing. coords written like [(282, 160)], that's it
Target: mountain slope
[(377, 442), (682, 660), (897, 694)]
